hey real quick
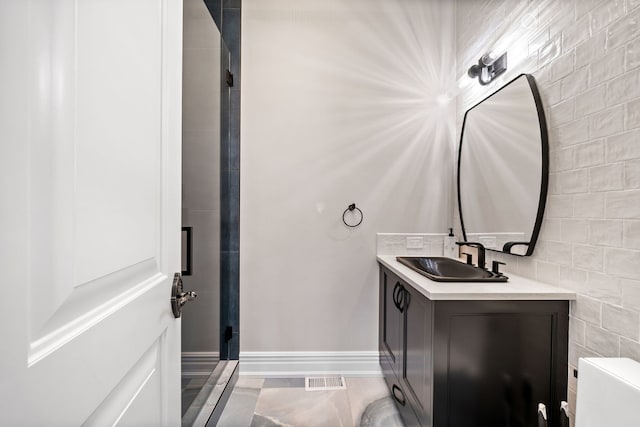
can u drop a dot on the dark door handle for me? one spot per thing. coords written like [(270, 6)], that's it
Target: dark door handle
[(397, 295), (188, 270), (406, 298), (401, 296), (402, 400)]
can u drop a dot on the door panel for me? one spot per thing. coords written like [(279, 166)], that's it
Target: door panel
[(94, 173), (93, 112), (499, 368), (393, 323), (417, 353), (137, 392), (117, 165)]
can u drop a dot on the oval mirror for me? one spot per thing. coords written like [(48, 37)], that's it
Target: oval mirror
[(503, 168)]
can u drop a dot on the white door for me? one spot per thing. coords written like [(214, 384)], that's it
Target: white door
[(90, 117)]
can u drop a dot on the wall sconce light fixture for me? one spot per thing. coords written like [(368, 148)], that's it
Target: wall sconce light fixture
[(488, 68)]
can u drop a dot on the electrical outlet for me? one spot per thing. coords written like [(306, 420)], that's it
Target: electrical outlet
[(488, 242), (415, 242)]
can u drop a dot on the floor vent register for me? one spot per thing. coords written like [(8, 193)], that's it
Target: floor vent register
[(324, 383)]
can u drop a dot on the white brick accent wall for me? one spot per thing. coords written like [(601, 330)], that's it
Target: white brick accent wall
[(585, 56)]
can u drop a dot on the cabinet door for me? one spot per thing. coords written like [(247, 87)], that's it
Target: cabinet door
[(417, 353), (391, 320), (496, 361), (402, 403)]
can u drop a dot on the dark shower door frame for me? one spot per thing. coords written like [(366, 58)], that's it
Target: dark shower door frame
[(209, 403)]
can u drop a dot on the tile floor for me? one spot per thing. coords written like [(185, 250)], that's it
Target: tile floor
[(190, 389), (260, 402)]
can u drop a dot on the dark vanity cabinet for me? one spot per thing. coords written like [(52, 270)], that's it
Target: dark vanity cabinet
[(405, 347), (472, 363)]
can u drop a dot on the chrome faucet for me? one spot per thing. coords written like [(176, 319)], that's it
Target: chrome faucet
[(481, 251)]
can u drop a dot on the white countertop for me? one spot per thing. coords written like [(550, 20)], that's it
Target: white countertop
[(517, 288)]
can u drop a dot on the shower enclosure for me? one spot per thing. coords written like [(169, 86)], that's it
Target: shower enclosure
[(205, 125)]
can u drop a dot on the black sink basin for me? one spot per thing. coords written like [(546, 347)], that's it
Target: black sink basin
[(443, 269)]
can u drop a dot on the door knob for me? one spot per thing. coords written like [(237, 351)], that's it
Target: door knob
[(178, 296)]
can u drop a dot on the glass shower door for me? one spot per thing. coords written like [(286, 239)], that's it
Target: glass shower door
[(205, 104)]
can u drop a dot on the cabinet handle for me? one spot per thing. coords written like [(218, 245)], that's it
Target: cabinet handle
[(395, 294), (406, 298), (564, 414), (398, 296), (542, 415), (395, 396), (403, 299)]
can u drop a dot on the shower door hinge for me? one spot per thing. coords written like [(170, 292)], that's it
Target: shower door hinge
[(228, 333), (229, 78)]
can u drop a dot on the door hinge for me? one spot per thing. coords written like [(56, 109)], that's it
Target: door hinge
[(229, 78), (228, 333)]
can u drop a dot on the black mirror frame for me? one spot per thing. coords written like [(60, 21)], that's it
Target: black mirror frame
[(544, 184)]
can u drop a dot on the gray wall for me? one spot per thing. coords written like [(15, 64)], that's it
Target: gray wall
[(339, 105), (201, 175), (584, 56)]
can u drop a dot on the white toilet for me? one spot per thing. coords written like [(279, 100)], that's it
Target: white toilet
[(608, 393)]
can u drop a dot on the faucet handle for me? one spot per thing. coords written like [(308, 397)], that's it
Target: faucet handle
[(495, 267)]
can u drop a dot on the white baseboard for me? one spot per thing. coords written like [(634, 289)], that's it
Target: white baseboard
[(307, 363), (198, 363)]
